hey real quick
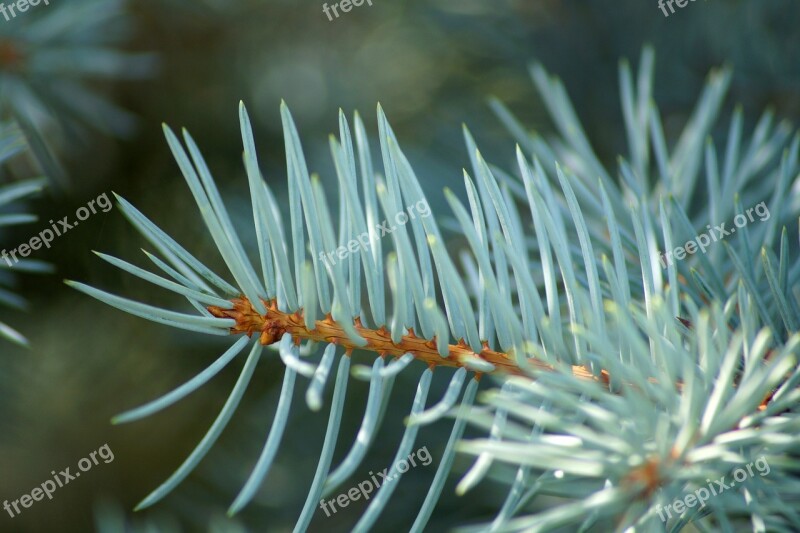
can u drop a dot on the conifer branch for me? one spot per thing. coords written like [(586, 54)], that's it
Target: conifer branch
[(275, 323), (272, 325), (639, 371)]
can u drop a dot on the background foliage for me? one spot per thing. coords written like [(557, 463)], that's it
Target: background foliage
[(431, 64)]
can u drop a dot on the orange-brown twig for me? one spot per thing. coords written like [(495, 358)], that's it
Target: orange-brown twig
[(275, 323)]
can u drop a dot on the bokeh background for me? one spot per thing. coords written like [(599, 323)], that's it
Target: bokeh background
[(432, 65)]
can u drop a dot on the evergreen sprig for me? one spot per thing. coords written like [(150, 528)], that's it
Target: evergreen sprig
[(622, 386), (12, 142), (725, 387), (53, 61)]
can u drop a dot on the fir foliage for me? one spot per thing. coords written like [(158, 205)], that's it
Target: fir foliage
[(633, 384), (12, 143), (54, 63)]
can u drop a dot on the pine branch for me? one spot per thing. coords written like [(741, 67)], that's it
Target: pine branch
[(274, 324), (579, 322), (12, 142), (71, 46)]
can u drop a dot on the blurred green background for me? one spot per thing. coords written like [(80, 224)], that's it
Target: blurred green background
[(431, 64)]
